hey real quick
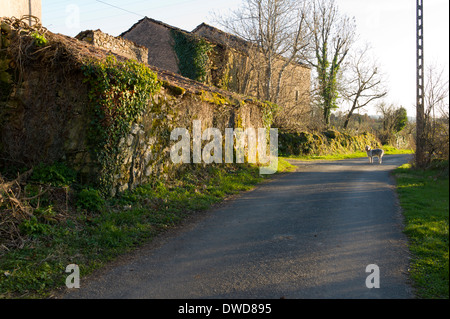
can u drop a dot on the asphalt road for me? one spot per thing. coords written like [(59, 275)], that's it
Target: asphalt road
[(307, 234)]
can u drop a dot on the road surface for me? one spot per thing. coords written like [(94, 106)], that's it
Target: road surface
[(307, 234)]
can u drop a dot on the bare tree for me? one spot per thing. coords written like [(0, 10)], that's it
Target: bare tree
[(364, 82), (332, 37), (436, 94), (277, 31)]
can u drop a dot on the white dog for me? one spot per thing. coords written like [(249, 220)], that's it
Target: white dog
[(378, 152)]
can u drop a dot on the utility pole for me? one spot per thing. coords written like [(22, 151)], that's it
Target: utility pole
[(420, 118), (30, 12)]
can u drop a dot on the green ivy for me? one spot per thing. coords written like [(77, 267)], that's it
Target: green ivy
[(328, 78), (193, 56), (269, 110), (39, 39), (119, 94)]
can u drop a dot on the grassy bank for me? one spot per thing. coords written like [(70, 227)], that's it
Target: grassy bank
[(93, 231), (389, 150), (424, 199)]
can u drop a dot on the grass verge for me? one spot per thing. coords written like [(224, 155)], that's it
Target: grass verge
[(424, 199), (389, 150), (95, 231)]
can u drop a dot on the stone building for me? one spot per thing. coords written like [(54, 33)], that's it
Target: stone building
[(290, 83), (233, 64), (19, 8), (215, 58), (157, 37)]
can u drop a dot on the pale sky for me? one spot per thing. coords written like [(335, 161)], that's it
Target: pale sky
[(388, 25)]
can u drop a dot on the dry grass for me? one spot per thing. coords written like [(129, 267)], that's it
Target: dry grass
[(19, 203)]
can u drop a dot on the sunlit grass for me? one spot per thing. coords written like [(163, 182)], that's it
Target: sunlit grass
[(424, 199), (285, 166), (389, 150), (91, 239)]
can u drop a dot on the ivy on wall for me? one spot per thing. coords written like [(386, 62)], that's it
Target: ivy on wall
[(269, 111), (119, 93), (193, 56)]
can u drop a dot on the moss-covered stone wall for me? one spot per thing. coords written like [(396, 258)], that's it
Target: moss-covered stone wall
[(48, 114)]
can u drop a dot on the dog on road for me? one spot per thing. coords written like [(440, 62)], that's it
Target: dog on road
[(378, 152)]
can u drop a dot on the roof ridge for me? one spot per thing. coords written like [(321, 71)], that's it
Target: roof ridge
[(154, 21), (241, 41), (228, 34)]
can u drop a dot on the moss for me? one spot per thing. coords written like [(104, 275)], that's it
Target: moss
[(173, 89), (214, 98), (225, 81), (331, 134), (238, 122)]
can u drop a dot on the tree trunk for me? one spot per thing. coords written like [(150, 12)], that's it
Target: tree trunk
[(347, 119)]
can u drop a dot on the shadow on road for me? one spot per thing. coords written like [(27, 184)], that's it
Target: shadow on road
[(306, 234)]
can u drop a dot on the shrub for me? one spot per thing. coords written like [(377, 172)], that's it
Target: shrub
[(34, 227), (57, 174), (90, 199)]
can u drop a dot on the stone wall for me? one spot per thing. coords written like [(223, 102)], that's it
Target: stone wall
[(47, 115), (117, 45), (147, 147)]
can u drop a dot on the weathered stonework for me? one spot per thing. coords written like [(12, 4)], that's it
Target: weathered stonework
[(242, 71), (47, 116), (235, 66), (156, 36), (117, 45)]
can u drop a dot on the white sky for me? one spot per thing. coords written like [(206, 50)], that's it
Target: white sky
[(388, 25)]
